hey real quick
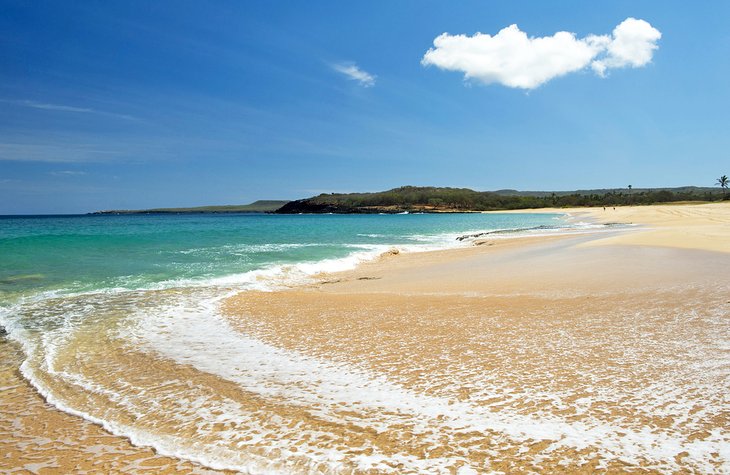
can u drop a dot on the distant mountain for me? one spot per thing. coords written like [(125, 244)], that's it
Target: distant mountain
[(435, 200), (260, 206)]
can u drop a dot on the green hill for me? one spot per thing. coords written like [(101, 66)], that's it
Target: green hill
[(433, 199)]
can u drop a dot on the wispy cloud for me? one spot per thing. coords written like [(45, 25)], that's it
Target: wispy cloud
[(54, 152), (513, 59), (68, 173), (64, 108), (53, 107), (353, 72)]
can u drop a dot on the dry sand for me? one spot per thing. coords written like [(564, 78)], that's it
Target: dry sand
[(686, 226)]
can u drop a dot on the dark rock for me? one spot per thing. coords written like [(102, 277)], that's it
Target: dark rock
[(309, 207), (474, 236)]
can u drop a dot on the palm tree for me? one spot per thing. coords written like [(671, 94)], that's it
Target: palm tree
[(723, 182)]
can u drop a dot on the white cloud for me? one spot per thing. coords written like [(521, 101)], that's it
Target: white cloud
[(353, 72), (633, 44), (513, 59)]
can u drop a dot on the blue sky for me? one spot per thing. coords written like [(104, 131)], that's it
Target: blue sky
[(144, 104)]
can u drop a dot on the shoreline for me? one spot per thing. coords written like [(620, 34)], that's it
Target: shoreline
[(387, 317), (651, 226)]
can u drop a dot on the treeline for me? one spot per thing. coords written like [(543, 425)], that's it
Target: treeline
[(411, 198)]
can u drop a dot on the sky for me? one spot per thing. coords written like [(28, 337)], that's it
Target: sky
[(131, 104)]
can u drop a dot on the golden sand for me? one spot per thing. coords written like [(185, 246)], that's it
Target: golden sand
[(547, 330)]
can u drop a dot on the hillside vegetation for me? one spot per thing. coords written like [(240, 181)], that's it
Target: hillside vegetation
[(432, 199)]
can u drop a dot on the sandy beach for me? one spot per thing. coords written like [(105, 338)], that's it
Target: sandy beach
[(684, 226), (594, 352), (597, 352)]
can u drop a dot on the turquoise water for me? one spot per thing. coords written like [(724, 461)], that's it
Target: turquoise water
[(87, 253)]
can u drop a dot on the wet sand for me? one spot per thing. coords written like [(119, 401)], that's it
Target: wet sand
[(37, 438), (574, 354)]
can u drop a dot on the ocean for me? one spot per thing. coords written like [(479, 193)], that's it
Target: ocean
[(72, 254), (119, 322)]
